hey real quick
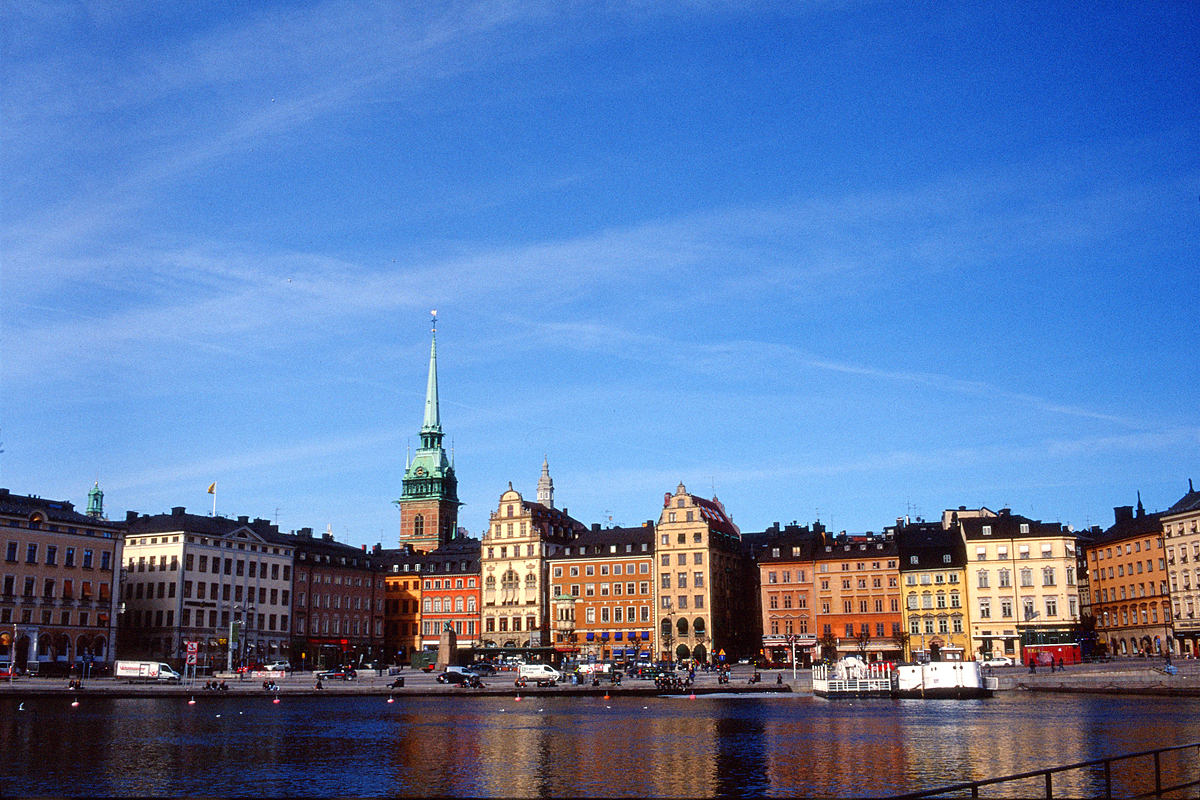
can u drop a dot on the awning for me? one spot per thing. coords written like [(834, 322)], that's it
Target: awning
[(591, 636), (618, 635), (645, 635)]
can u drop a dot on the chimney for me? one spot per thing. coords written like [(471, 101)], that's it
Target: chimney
[(1123, 514), (596, 526), (130, 517), (177, 511)]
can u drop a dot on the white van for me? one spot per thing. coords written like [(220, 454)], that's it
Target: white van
[(154, 671), (542, 674)]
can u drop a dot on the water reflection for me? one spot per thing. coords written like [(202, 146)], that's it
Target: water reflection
[(623, 747)]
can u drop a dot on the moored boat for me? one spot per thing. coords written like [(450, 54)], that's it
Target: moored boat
[(942, 679), (853, 677)]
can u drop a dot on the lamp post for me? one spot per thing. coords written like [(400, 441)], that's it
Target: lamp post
[(233, 621)]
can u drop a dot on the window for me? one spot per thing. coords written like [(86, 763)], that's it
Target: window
[(985, 608), (69, 561), (983, 579), (31, 554)]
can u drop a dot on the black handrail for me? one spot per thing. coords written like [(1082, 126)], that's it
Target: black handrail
[(1159, 789)]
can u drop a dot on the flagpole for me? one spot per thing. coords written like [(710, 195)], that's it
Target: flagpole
[(212, 489)]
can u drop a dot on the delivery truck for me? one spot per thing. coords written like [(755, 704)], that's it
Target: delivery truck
[(148, 671)]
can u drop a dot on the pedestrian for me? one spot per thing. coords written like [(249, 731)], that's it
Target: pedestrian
[(1061, 666), (1032, 664), (319, 684), (778, 678)]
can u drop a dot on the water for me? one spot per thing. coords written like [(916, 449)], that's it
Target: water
[(585, 746)]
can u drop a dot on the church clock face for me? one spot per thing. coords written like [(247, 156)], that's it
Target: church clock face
[(420, 471)]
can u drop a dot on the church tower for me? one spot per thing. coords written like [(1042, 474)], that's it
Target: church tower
[(429, 503), (96, 503)]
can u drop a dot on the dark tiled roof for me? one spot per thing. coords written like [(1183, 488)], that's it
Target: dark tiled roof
[(854, 546), (55, 511), (930, 544), (1189, 502), (1008, 526), (807, 544), (598, 542), (179, 520), (454, 552), (1131, 528)]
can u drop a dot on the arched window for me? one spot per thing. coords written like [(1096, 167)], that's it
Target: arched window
[(531, 581), (698, 626), (682, 626), (666, 628), (509, 580), (489, 583), (418, 526)]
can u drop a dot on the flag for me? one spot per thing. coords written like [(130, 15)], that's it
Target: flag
[(212, 489)]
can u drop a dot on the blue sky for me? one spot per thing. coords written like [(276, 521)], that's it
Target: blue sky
[(828, 260)]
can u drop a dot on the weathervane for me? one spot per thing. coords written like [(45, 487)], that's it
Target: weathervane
[(434, 313)]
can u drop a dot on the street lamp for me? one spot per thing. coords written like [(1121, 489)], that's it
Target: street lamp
[(232, 629)]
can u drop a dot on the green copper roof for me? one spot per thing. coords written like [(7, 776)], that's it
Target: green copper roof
[(433, 418)]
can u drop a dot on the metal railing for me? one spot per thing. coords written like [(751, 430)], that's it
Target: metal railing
[(1159, 789)]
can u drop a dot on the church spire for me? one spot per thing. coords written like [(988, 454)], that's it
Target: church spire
[(545, 488), (433, 417)]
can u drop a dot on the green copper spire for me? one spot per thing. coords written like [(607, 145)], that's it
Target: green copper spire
[(433, 418)]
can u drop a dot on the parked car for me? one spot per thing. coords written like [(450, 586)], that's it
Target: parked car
[(279, 666), (998, 661), (454, 677), (338, 673), (482, 669)]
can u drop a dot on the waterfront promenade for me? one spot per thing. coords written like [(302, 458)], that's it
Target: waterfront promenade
[(1126, 676)]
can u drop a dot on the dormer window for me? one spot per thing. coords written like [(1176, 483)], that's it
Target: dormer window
[(987, 530)]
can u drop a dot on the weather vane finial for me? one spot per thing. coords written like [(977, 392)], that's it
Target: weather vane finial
[(434, 313)]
